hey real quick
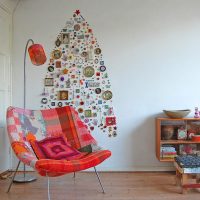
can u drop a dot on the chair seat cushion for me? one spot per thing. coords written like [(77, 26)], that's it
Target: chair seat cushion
[(60, 167)]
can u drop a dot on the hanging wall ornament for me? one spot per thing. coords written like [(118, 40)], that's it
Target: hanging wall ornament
[(77, 76)]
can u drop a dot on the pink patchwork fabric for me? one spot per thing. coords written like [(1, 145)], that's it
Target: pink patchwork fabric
[(54, 148)]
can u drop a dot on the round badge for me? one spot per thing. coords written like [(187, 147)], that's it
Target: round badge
[(88, 71), (107, 95), (69, 23), (57, 54), (80, 110), (102, 68), (58, 42), (84, 54), (59, 104), (62, 78), (86, 120), (76, 51), (96, 61), (50, 68), (97, 51), (44, 100), (98, 90), (77, 27)]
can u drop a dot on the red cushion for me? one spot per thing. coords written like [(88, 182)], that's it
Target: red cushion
[(56, 148)]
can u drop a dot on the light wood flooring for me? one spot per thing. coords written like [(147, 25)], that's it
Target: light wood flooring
[(118, 186)]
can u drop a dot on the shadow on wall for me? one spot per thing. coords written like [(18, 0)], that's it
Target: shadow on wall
[(143, 146)]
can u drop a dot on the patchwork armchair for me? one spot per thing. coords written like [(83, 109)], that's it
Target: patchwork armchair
[(52, 141)]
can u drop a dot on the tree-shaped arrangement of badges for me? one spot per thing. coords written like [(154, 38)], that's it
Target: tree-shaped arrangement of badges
[(77, 76)]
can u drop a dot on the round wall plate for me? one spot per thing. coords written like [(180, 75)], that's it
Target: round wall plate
[(102, 68), (107, 95), (88, 71), (57, 54)]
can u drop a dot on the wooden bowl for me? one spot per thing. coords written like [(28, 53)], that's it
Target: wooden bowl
[(176, 114)]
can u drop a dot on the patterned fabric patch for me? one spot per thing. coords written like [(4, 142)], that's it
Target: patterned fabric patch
[(53, 148)]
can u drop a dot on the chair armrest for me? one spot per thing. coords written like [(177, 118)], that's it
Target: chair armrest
[(24, 153)]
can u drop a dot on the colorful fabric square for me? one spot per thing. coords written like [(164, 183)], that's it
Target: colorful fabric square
[(67, 121), (53, 148)]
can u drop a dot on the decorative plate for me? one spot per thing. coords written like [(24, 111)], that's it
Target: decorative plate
[(50, 68), (88, 71), (107, 95), (57, 54), (97, 51), (102, 68)]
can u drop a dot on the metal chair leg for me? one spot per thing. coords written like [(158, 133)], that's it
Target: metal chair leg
[(11, 182), (48, 183), (99, 179), (74, 175)]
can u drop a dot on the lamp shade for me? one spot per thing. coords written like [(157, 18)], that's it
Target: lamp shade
[(37, 54)]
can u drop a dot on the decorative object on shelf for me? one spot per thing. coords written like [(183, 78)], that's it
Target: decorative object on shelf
[(37, 57), (185, 149), (196, 137), (176, 114), (196, 113), (77, 76), (182, 133), (167, 132)]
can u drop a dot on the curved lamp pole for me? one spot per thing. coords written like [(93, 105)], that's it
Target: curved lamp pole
[(39, 60)]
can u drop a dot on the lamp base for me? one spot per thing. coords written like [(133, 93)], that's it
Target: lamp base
[(24, 178)]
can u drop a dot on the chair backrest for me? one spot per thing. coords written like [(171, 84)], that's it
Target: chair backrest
[(46, 123)]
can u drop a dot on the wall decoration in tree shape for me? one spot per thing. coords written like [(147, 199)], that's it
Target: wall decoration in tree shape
[(77, 76)]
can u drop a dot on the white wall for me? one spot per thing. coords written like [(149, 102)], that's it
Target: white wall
[(151, 49)]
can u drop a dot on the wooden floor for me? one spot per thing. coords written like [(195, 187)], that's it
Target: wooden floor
[(118, 186)]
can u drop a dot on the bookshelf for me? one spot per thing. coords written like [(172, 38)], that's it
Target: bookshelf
[(178, 138)]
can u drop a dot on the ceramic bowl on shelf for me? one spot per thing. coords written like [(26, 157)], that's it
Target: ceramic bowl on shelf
[(176, 114)]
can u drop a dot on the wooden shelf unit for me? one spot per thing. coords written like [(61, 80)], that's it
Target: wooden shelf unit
[(175, 142)]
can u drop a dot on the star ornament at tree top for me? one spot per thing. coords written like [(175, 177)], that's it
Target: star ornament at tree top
[(77, 12)]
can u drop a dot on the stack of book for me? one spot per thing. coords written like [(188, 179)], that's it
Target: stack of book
[(168, 152)]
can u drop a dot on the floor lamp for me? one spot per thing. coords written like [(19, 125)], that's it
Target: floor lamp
[(38, 57)]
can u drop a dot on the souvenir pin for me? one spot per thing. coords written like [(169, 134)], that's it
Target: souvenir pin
[(50, 68), (48, 81), (60, 104), (84, 54), (97, 51), (44, 100), (88, 113), (58, 42), (80, 110), (98, 90), (110, 121), (53, 104), (65, 38), (58, 64), (76, 27), (102, 68), (63, 95)]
